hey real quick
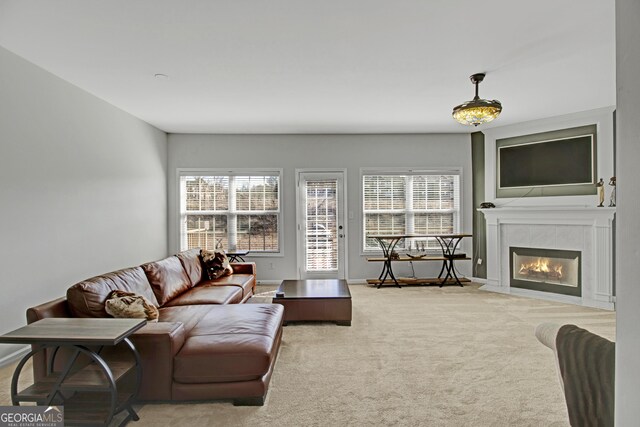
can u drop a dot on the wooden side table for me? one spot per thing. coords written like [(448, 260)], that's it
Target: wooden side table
[(90, 392)]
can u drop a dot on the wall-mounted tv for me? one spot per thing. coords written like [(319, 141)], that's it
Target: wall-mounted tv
[(553, 163)]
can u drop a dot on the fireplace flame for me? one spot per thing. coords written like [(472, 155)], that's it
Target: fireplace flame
[(542, 266)]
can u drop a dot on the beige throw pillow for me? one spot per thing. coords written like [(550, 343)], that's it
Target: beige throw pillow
[(123, 304)]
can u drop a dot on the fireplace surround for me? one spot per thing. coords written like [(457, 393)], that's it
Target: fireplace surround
[(571, 228)]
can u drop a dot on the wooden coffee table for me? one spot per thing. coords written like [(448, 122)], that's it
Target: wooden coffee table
[(327, 300)]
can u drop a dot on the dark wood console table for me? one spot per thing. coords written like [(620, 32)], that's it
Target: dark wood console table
[(448, 245), (89, 390)]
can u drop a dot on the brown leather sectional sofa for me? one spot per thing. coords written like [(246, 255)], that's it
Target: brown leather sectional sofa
[(206, 344)]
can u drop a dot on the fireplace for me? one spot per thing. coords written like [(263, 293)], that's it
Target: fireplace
[(587, 230), (546, 270)]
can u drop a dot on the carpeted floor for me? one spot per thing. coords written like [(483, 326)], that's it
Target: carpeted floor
[(416, 356)]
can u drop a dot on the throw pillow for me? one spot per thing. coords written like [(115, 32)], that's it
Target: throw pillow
[(216, 264), (130, 305)]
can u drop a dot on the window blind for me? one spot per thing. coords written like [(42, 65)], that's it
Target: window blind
[(231, 212), (410, 203), (321, 244)]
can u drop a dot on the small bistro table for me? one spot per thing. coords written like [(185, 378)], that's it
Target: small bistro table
[(88, 391), (448, 245), (235, 256)]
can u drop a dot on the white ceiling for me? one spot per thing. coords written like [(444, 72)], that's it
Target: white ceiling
[(322, 66)]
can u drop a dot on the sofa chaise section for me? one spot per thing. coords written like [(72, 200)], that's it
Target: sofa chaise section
[(232, 347)]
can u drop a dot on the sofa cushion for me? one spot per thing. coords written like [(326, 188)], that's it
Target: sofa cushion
[(246, 282), (167, 278), (208, 295), (188, 315), (192, 265), (86, 298), (231, 343)]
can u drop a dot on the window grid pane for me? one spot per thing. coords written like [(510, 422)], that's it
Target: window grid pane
[(384, 192), (207, 231), (383, 224), (256, 193), (432, 223), (257, 233), (209, 193)]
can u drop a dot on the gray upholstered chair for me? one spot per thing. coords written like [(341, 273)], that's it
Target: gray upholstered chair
[(585, 363)]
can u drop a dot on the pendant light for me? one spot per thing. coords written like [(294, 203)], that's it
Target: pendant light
[(477, 111)]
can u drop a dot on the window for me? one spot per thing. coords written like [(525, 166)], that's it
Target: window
[(410, 203), (230, 211)]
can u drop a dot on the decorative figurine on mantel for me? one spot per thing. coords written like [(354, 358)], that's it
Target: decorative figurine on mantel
[(612, 198), (600, 187)]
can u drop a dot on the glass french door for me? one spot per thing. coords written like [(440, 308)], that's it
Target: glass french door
[(321, 232)]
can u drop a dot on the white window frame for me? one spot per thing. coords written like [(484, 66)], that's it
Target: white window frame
[(458, 220), (181, 208)]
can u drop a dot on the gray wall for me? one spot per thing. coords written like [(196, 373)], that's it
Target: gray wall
[(82, 189), (628, 212), (322, 151)]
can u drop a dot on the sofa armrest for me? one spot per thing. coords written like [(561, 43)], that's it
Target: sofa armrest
[(546, 334), (157, 344), (56, 308), (169, 334), (244, 267)]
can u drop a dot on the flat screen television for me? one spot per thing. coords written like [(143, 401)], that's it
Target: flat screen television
[(555, 162), (560, 162)]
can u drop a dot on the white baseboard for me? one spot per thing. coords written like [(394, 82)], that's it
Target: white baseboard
[(494, 288), (611, 306), (268, 282), (14, 357), (277, 282), (566, 299), (478, 280)]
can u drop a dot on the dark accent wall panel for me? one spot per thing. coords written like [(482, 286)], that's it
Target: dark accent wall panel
[(479, 223)]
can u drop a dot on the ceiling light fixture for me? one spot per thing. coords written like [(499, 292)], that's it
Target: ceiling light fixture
[(477, 111), (161, 76)]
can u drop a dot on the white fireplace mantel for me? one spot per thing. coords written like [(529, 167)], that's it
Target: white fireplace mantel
[(582, 228)]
